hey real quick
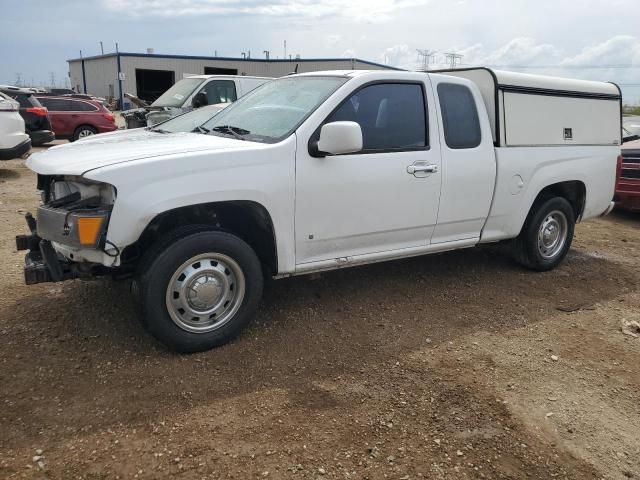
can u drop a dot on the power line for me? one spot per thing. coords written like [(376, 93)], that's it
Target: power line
[(563, 66)]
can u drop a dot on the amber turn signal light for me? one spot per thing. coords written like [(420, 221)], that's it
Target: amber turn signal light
[(88, 230)]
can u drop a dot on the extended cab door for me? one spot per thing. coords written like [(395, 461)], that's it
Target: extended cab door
[(468, 160), (382, 198)]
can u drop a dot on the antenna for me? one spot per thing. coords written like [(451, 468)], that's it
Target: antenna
[(453, 59), (425, 58), (101, 48)]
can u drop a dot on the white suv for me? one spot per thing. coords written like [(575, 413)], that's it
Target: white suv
[(14, 142)]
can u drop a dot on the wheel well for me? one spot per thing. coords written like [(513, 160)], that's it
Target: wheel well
[(248, 220), (85, 125), (573, 191)]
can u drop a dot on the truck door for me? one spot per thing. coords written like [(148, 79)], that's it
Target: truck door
[(382, 198), (468, 160)]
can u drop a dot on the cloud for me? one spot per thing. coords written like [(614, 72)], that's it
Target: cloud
[(333, 39), (401, 56), (616, 59), (622, 50), (359, 10), (522, 51)]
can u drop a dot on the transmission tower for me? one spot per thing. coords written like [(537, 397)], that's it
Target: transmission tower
[(425, 58), (453, 59)]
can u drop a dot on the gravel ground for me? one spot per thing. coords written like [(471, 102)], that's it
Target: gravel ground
[(451, 366)]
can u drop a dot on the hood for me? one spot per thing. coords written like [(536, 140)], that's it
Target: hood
[(98, 151)]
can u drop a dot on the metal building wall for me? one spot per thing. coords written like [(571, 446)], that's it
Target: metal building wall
[(183, 66), (102, 71), (99, 73)]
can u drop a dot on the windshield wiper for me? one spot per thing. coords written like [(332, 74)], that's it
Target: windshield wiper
[(235, 131), (159, 130), (201, 129)]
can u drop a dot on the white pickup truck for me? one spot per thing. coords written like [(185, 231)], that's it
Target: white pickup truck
[(320, 171)]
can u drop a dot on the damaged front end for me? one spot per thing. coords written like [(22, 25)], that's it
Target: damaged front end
[(68, 236)]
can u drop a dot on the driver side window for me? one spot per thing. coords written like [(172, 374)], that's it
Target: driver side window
[(220, 91), (392, 116)]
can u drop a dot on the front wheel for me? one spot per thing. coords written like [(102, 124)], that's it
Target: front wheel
[(547, 234), (201, 291)]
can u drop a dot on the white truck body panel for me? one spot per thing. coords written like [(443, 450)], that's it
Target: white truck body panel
[(338, 211), (537, 120)]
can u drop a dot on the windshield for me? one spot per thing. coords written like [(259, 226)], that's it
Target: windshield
[(273, 111), (178, 93), (190, 121)]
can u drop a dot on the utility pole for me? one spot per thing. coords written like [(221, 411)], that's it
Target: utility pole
[(425, 57), (101, 48), (453, 59), (285, 49)]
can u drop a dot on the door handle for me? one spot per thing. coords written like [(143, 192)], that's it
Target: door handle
[(420, 168)]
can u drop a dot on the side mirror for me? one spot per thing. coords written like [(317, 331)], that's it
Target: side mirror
[(340, 137), (199, 100)]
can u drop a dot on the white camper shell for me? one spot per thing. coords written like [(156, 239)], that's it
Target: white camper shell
[(535, 110)]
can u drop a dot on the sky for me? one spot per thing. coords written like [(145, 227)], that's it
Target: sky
[(590, 39)]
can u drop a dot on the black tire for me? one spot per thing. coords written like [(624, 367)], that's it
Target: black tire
[(178, 248), (82, 129), (527, 251)]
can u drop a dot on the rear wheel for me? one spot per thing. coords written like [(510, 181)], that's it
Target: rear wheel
[(547, 234), (201, 290), (83, 131)]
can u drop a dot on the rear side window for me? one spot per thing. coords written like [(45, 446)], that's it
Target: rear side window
[(56, 104), (21, 98), (391, 115), (459, 116), (81, 106)]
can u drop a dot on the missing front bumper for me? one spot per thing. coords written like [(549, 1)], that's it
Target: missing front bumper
[(42, 264)]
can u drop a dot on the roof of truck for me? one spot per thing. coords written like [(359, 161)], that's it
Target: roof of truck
[(542, 82)]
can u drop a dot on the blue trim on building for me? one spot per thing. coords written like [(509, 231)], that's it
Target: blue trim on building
[(118, 55), (233, 59), (84, 78)]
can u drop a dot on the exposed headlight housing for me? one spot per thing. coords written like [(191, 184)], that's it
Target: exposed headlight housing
[(75, 212)]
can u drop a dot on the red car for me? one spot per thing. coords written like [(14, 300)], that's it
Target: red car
[(75, 118), (628, 181)]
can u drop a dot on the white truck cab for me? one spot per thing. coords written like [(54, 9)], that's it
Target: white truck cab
[(14, 142), (197, 91), (320, 171)]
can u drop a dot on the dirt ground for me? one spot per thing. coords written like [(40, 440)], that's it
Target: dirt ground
[(453, 366)]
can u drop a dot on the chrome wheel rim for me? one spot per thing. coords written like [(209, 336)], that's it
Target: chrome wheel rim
[(552, 235), (205, 292), (85, 133)]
